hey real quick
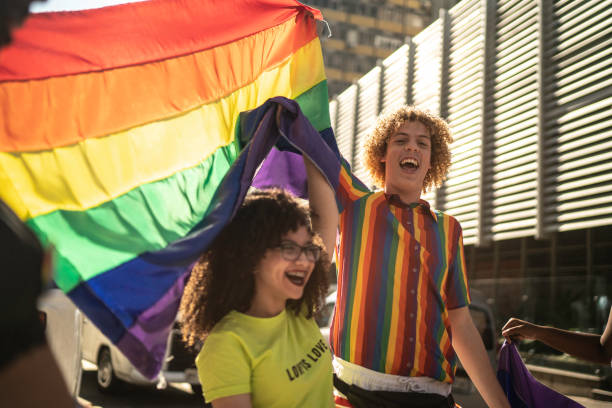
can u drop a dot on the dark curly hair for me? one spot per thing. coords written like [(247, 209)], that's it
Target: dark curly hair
[(223, 280), (375, 146)]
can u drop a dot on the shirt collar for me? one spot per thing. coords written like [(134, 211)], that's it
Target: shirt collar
[(395, 200)]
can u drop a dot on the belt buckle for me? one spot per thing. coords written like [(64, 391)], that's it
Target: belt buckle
[(416, 387)]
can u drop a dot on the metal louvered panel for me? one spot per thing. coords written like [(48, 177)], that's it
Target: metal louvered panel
[(427, 86), (526, 87), (367, 111), (465, 114), (395, 79), (428, 67), (333, 111), (510, 180), (578, 117), (345, 126), (430, 197)]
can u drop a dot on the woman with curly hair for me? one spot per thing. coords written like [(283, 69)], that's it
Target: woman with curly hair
[(251, 298)]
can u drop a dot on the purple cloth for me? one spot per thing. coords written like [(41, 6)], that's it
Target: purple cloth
[(283, 166), (283, 169), (521, 388)]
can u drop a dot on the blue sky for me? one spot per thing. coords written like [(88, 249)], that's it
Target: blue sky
[(64, 5)]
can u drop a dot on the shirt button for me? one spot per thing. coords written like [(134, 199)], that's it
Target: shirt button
[(416, 248), (411, 339), (412, 315), (412, 291), (415, 270)]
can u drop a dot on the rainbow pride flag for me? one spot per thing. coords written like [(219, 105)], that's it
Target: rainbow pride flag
[(122, 145)]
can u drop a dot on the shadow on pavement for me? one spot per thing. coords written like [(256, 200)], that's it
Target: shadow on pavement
[(132, 396)]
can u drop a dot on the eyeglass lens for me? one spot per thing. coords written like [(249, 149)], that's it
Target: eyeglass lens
[(292, 251)]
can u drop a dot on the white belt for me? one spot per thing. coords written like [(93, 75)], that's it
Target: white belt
[(371, 380)]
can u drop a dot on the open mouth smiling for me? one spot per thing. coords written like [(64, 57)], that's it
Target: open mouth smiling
[(409, 163), (298, 278)]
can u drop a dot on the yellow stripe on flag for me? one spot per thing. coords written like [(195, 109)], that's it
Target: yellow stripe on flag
[(94, 171)]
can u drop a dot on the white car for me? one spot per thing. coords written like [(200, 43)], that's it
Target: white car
[(113, 367), (324, 318), (63, 331)]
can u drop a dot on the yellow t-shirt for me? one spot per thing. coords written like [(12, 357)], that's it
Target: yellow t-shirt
[(281, 361)]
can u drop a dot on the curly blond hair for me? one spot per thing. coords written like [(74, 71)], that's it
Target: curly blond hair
[(375, 147)]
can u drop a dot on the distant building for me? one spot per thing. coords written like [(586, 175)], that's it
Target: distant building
[(366, 31)]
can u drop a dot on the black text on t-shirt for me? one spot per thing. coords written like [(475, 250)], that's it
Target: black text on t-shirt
[(304, 364)]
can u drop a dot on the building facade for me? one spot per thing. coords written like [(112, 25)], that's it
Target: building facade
[(365, 32)]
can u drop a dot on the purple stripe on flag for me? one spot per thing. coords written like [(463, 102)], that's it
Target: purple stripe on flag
[(284, 165), (144, 344), (283, 169), (148, 362), (521, 388), (159, 318)]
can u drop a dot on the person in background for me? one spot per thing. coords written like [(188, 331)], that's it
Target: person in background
[(251, 299), (592, 347), (401, 317), (29, 375)]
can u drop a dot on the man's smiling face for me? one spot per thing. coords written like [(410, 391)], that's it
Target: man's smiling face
[(407, 161)]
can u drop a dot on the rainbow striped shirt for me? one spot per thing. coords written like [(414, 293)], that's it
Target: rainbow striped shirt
[(399, 272)]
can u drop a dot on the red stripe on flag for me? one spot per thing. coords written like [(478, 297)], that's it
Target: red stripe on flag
[(64, 43)]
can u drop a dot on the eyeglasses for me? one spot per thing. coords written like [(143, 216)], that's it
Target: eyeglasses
[(292, 251)]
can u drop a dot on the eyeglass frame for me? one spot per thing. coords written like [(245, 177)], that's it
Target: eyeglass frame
[(302, 249)]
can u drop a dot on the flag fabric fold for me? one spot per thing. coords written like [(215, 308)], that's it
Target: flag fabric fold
[(122, 142), (521, 388)]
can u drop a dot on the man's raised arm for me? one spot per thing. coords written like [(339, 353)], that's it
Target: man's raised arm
[(323, 206)]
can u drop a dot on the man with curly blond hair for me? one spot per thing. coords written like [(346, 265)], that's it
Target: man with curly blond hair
[(401, 317), (376, 145)]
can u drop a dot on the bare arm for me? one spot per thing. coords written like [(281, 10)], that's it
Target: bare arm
[(471, 351), (591, 347), (323, 205), (234, 401), (322, 202)]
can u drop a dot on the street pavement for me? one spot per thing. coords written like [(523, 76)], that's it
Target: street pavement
[(180, 396), (474, 400), (591, 403), (131, 396)]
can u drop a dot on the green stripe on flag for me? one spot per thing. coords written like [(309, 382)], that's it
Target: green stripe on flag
[(148, 217)]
